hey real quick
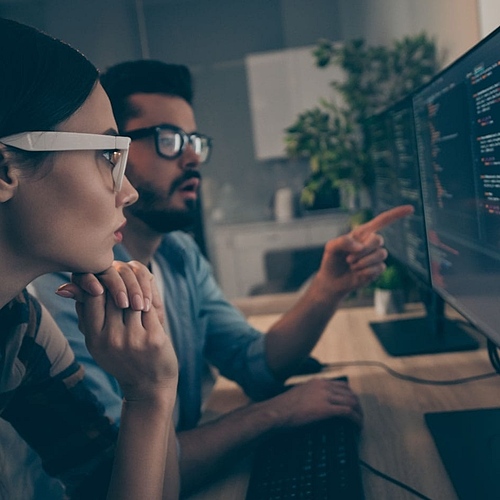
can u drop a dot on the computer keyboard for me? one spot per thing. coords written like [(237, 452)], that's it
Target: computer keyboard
[(316, 461)]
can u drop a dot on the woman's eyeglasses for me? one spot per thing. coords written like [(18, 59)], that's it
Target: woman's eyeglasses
[(116, 146), (171, 141)]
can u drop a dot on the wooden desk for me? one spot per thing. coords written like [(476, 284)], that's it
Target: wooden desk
[(395, 439)]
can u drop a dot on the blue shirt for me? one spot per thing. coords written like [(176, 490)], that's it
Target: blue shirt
[(204, 327)]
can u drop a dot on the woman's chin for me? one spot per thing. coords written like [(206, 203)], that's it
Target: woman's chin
[(96, 267)]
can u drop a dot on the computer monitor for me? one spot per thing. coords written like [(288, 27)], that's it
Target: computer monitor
[(457, 124), (457, 119), (392, 145), (397, 182)]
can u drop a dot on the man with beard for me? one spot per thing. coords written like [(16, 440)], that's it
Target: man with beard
[(152, 104)]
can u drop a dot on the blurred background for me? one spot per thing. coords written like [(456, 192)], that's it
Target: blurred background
[(253, 72)]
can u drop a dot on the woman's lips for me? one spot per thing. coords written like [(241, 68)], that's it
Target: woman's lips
[(118, 234)]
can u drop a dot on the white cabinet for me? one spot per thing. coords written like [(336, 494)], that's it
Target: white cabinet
[(238, 250), (282, 84)]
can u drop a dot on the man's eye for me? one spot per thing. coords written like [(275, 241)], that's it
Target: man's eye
[(111, 156), (168, 141)]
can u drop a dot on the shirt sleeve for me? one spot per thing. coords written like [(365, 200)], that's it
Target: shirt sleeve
[(57, 416), (232, 344), (104, 386)]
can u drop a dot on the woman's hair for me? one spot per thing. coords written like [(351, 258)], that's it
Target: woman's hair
[(43, 81)]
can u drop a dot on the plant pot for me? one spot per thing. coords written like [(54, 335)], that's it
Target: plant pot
[(388, 301)]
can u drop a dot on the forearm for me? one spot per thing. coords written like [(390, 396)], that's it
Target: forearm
[(295, 334), (171, 480), (209, 447), (141, 465)]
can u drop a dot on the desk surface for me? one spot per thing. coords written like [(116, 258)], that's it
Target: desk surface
[(394, 439)]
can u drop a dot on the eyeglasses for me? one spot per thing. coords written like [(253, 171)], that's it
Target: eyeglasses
[(115, 147), (171, 141)]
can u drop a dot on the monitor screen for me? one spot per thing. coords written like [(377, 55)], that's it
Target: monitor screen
[(397, 182), (393, 152), (457, 123)]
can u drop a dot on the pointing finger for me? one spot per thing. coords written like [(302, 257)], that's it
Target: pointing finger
[(380, 221)]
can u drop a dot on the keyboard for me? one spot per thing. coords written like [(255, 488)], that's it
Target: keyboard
[(316, 461)]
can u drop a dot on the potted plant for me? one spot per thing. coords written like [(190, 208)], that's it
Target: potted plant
[(327, 138), (331, 135), (389, 291)]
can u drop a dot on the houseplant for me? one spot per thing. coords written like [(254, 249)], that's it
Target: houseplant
[(331, 136), (389, 291)]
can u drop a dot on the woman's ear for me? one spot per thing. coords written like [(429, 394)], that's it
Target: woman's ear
[(9, 177)]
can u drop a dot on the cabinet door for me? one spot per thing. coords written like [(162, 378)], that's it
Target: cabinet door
[(241, 249), (251, 247), (289, 236), (326, 229)]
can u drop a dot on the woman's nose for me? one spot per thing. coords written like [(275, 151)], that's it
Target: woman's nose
[(127, 194)]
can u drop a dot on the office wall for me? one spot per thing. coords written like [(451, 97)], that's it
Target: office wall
[(212, 37), (453, 23), (489, 16)]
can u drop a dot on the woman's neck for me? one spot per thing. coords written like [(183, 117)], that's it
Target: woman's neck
[(140, 241), (16, 273)]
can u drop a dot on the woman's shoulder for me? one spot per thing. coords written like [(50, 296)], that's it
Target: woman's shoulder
[(22, 314), (19, 324), (31, 339)]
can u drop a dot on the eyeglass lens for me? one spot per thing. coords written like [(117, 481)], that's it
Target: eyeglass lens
[(171, 143), (120, 162)]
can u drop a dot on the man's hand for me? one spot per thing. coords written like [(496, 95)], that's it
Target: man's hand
[(315, 400), (354, 260)]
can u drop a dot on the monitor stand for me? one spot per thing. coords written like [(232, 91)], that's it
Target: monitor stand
[(431, 334), (468, 442)]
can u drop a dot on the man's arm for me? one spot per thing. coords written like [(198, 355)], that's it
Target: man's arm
[(349, 262), (207, 448)]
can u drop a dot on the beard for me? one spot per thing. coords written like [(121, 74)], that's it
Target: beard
[(165, 219)]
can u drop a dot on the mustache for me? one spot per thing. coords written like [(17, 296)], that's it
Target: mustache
[(188, 174)]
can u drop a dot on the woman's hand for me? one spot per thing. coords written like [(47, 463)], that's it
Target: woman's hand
[(121, 315)]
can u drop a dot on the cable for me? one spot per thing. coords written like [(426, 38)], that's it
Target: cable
[(392, 480), (410, 378)]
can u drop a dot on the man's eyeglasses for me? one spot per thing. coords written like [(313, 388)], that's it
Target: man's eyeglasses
[(116, 147), (171, 141)]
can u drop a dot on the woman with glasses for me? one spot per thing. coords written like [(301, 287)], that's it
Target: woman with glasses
[(62, 194)]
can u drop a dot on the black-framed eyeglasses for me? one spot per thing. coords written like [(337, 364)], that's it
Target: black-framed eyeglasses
[(171, 141)]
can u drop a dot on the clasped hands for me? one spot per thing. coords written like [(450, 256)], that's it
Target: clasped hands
[(122, 317)]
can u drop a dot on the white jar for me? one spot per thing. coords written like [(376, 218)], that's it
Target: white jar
[(283, 205)]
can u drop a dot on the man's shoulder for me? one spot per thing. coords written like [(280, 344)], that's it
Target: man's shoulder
[(178, 242)]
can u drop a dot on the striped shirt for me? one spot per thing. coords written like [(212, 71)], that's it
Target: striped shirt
[(44, 399)]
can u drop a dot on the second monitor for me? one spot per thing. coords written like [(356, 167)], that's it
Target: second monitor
[(393, 150)]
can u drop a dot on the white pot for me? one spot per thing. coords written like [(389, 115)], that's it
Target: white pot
[(388, 301)]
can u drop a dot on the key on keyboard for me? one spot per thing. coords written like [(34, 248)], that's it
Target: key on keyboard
[(316, 461)]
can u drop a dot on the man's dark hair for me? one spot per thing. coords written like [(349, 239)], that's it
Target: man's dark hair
[(144, 76)]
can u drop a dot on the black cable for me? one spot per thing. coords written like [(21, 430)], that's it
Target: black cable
[(392, 480), (494, 359), (411, 378)]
